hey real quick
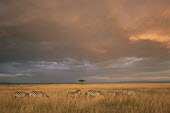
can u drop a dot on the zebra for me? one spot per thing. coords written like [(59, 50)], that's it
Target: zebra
[(131, 92), (93, 93), (18, 94), (74, 94), (39, 94)]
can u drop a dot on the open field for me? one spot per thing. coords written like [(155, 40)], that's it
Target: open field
[(155, 98)]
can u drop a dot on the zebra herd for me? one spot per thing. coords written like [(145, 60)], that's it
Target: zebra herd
[(90, 93), (94, 93), (38, 94)]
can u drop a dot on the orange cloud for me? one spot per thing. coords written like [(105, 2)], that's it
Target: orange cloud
[(99, 50), (153, 37), (99, 46)]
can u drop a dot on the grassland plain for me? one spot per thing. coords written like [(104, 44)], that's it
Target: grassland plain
[(155, 98)]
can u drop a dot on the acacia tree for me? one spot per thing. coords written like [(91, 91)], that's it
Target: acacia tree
[(81, 81)]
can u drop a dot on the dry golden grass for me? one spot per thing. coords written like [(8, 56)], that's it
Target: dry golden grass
[(155, 99)]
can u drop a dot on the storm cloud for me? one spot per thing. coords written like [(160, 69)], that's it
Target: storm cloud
[(62, 41)]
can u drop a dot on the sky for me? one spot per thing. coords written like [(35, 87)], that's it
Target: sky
[(62, 41)]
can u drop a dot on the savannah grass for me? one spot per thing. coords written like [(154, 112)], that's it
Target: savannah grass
[(155, 98)]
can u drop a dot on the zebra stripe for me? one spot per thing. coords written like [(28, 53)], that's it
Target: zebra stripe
[(93, 93), (18, 94), (131, 92), (38, 94), (73, 94)]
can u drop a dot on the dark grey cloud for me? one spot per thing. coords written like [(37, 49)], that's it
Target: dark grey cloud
[(98, 31), (70, 70)]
